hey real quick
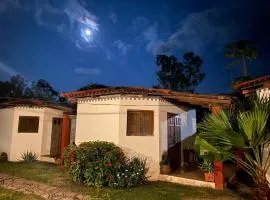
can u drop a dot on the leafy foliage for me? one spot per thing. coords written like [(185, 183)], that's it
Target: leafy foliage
[(207, 166), (179, 76), (17, 87), (245, 127), (69, 155), (131, 174), (29, 156), (241, 51), (98, 163), (43, 90)]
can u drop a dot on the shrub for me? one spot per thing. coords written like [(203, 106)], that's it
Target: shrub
[(101, 163), (29, 156), (69, 155), (96, 163), (3, 157), (131, 174)]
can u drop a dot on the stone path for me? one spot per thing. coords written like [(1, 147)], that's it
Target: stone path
[(39, 189)]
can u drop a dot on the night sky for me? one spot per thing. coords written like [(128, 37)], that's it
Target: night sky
[(71, 43)]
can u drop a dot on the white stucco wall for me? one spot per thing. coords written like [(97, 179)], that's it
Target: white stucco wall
[(146, 147), (97, 119), (22, 142), (15, 143), (6, 125), (263, 93), (105, 119)]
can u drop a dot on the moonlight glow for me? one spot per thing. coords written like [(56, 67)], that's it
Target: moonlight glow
[(87, 35), (88, 32)]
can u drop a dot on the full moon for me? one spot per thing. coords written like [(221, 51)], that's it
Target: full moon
[(88, 32)]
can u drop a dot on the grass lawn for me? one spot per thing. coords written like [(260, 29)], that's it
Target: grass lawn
[(6, 194), (52, 175)]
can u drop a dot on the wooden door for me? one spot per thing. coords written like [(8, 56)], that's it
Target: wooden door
[(56, 137), (174, 140)]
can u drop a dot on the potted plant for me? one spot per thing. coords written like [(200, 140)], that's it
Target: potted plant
[(165, 164), (207, 167)]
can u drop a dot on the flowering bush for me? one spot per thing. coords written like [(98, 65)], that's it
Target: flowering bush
[(70, 155), (102, 164), (131, 174)]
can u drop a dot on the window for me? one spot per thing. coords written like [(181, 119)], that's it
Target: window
[(140, 123), (28, 124)]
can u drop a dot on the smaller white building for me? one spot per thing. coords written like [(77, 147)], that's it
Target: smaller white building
[(30, 125)]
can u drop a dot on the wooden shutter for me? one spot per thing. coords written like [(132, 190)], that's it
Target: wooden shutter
[(28, 124), (140, 123), (146, 123), (133, 123)]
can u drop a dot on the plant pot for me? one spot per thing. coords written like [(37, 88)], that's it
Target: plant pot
[(165, 169), (209, 177)]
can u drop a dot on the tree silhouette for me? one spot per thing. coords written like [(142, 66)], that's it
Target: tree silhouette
[(242, 52), (179, 76)]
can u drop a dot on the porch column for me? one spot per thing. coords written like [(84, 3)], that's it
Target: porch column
[(65, 133), (218, 165), (219, 177)]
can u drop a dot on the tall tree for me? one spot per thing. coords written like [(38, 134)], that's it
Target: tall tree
[(179, 76), (242, 52), (14, 88), (43, 90)]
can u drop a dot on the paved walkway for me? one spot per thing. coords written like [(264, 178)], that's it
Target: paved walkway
[(36, 188)]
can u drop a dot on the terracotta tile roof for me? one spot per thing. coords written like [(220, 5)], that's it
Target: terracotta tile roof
[(33, 103), (115, 90), (182, 97), (253, 82)]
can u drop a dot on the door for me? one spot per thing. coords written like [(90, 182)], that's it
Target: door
[(56, 137), (174, 140)]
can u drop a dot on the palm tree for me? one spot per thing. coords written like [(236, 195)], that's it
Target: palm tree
[(245, 129), (241, 51)]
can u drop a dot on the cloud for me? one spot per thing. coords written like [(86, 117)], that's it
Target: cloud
[(198, 30), (7, 69), (152, 37), (139, 23), (194, 33), (69, 18), (87, 71), (113, 17), (122, 47)]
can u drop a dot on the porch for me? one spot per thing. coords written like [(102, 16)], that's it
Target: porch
[(59, 136), (193, 176)]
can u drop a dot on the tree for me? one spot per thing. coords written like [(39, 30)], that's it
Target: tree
[(92, 86), (178, 76), (43, 90), (243, 128), (14, 88), (242, 52)]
